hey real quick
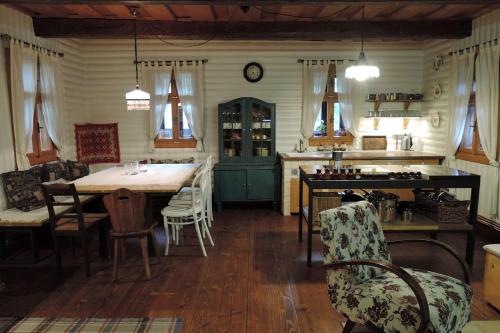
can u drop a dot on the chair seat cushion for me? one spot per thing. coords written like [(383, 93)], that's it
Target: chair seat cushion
[(71, 223), (179, 211), (389, 303)]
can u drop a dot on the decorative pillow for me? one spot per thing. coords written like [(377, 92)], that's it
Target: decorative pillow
[(77, 169), (173, 161), (54, 170), (22, 189)]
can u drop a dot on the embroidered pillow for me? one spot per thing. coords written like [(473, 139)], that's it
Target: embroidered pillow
[(173, 161), (77, 169), (55, 170), (22, 189)]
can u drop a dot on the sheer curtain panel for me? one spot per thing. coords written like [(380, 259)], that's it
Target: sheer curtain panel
[(191, 89), (462, 73), (23, 71), (52, 104), (314, 77), (349, 93), (156, 81), (487, 76)]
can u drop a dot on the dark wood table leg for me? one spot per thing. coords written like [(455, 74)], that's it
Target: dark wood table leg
[(3, 246), (104, 244), (301, 189), (35, 251), (310, 218), (474, 203)]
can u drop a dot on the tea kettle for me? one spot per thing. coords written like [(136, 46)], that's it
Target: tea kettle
[(406, 142)]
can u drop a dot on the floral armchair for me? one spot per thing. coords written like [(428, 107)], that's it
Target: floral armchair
[(367, 288)]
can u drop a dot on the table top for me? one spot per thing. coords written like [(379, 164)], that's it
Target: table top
[(158, 178), (429, 172)]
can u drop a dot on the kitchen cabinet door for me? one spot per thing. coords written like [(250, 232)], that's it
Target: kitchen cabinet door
[(233, 185), (260, 184)]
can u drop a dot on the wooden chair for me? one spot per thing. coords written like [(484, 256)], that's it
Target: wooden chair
[(126, 209), (73, 224)]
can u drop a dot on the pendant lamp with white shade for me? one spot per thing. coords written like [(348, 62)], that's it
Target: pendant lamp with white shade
[(362, 70), (137, 100)]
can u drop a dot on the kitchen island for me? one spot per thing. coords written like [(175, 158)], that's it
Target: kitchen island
[(290, 168), (431, 176)]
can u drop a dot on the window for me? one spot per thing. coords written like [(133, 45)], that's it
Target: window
[(329, 128), (42, 149), (174, 131), (470, 149)]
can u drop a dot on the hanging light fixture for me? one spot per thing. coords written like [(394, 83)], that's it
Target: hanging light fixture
[(137, 100), (362, 71)]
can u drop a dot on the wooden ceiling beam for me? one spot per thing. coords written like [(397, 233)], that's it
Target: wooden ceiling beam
[(324, 30), (247, 2)]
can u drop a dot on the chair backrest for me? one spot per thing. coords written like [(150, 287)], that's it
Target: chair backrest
[(200, 183), (353, 232), (53, 194), (126, 210)]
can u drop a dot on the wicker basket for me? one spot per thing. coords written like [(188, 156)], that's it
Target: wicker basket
[(442, 212), (323, 201)]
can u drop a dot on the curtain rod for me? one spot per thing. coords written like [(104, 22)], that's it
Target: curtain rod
[(28, 44), (332, 60), (473, 46), (168, 62)]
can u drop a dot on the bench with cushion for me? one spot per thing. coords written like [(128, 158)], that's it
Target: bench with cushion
[(26, 211)]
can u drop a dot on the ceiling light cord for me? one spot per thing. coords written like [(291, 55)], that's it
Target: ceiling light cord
[(135, 49)]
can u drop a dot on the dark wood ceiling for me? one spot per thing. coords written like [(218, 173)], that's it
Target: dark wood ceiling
[(199, 19)]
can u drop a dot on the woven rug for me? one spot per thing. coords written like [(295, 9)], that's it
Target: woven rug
[(90, 325), (97, 143)]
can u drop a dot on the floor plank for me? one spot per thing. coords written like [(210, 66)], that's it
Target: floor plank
[(255, 279)]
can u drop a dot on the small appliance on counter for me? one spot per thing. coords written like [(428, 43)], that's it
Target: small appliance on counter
[(404, 142)]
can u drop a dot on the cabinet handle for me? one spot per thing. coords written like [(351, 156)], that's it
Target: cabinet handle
[(244, 185), (249, 185)]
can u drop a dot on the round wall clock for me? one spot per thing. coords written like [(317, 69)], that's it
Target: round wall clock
[(253, 72)]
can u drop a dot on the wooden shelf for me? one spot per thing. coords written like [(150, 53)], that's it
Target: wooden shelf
[(406, 103), (421, 223), (395, 114)]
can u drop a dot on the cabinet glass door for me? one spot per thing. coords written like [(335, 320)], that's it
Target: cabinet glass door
[(232, 127), (262, 128)]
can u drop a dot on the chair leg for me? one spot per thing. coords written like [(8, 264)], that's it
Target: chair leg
[(200, 239), (155, 245), (116, 255), (349, 326), (145, 256), (208, 233), (86, 254), (167, 236), (123, 249), (58, 255)]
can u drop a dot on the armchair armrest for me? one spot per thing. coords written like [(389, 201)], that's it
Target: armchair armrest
[(442, 245), (401, 273)]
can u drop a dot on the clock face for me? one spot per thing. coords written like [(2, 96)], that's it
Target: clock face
[(253, 72)]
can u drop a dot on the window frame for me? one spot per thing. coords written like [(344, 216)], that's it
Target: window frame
[(475, 154), (331, 97), (37, 156), (176, 141)]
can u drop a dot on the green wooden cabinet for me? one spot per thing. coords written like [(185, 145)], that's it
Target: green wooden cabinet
[(247, 168)]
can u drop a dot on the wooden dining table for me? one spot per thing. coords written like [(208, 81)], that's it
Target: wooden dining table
[(153, 179)]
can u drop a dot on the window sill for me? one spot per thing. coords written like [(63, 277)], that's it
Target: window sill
[(481, 159), (162, 143), (317, 141)]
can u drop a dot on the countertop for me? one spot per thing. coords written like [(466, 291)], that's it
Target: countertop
[(363, 155)]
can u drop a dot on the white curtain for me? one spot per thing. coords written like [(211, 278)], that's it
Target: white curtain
[(52, 104), (314, 77), (7, 161), (156, 81), (487, 76), (191, 89), (462, 73), (349, 93), (23, 71)]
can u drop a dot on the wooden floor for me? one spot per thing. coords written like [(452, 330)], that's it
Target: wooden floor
[(254, 280)]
